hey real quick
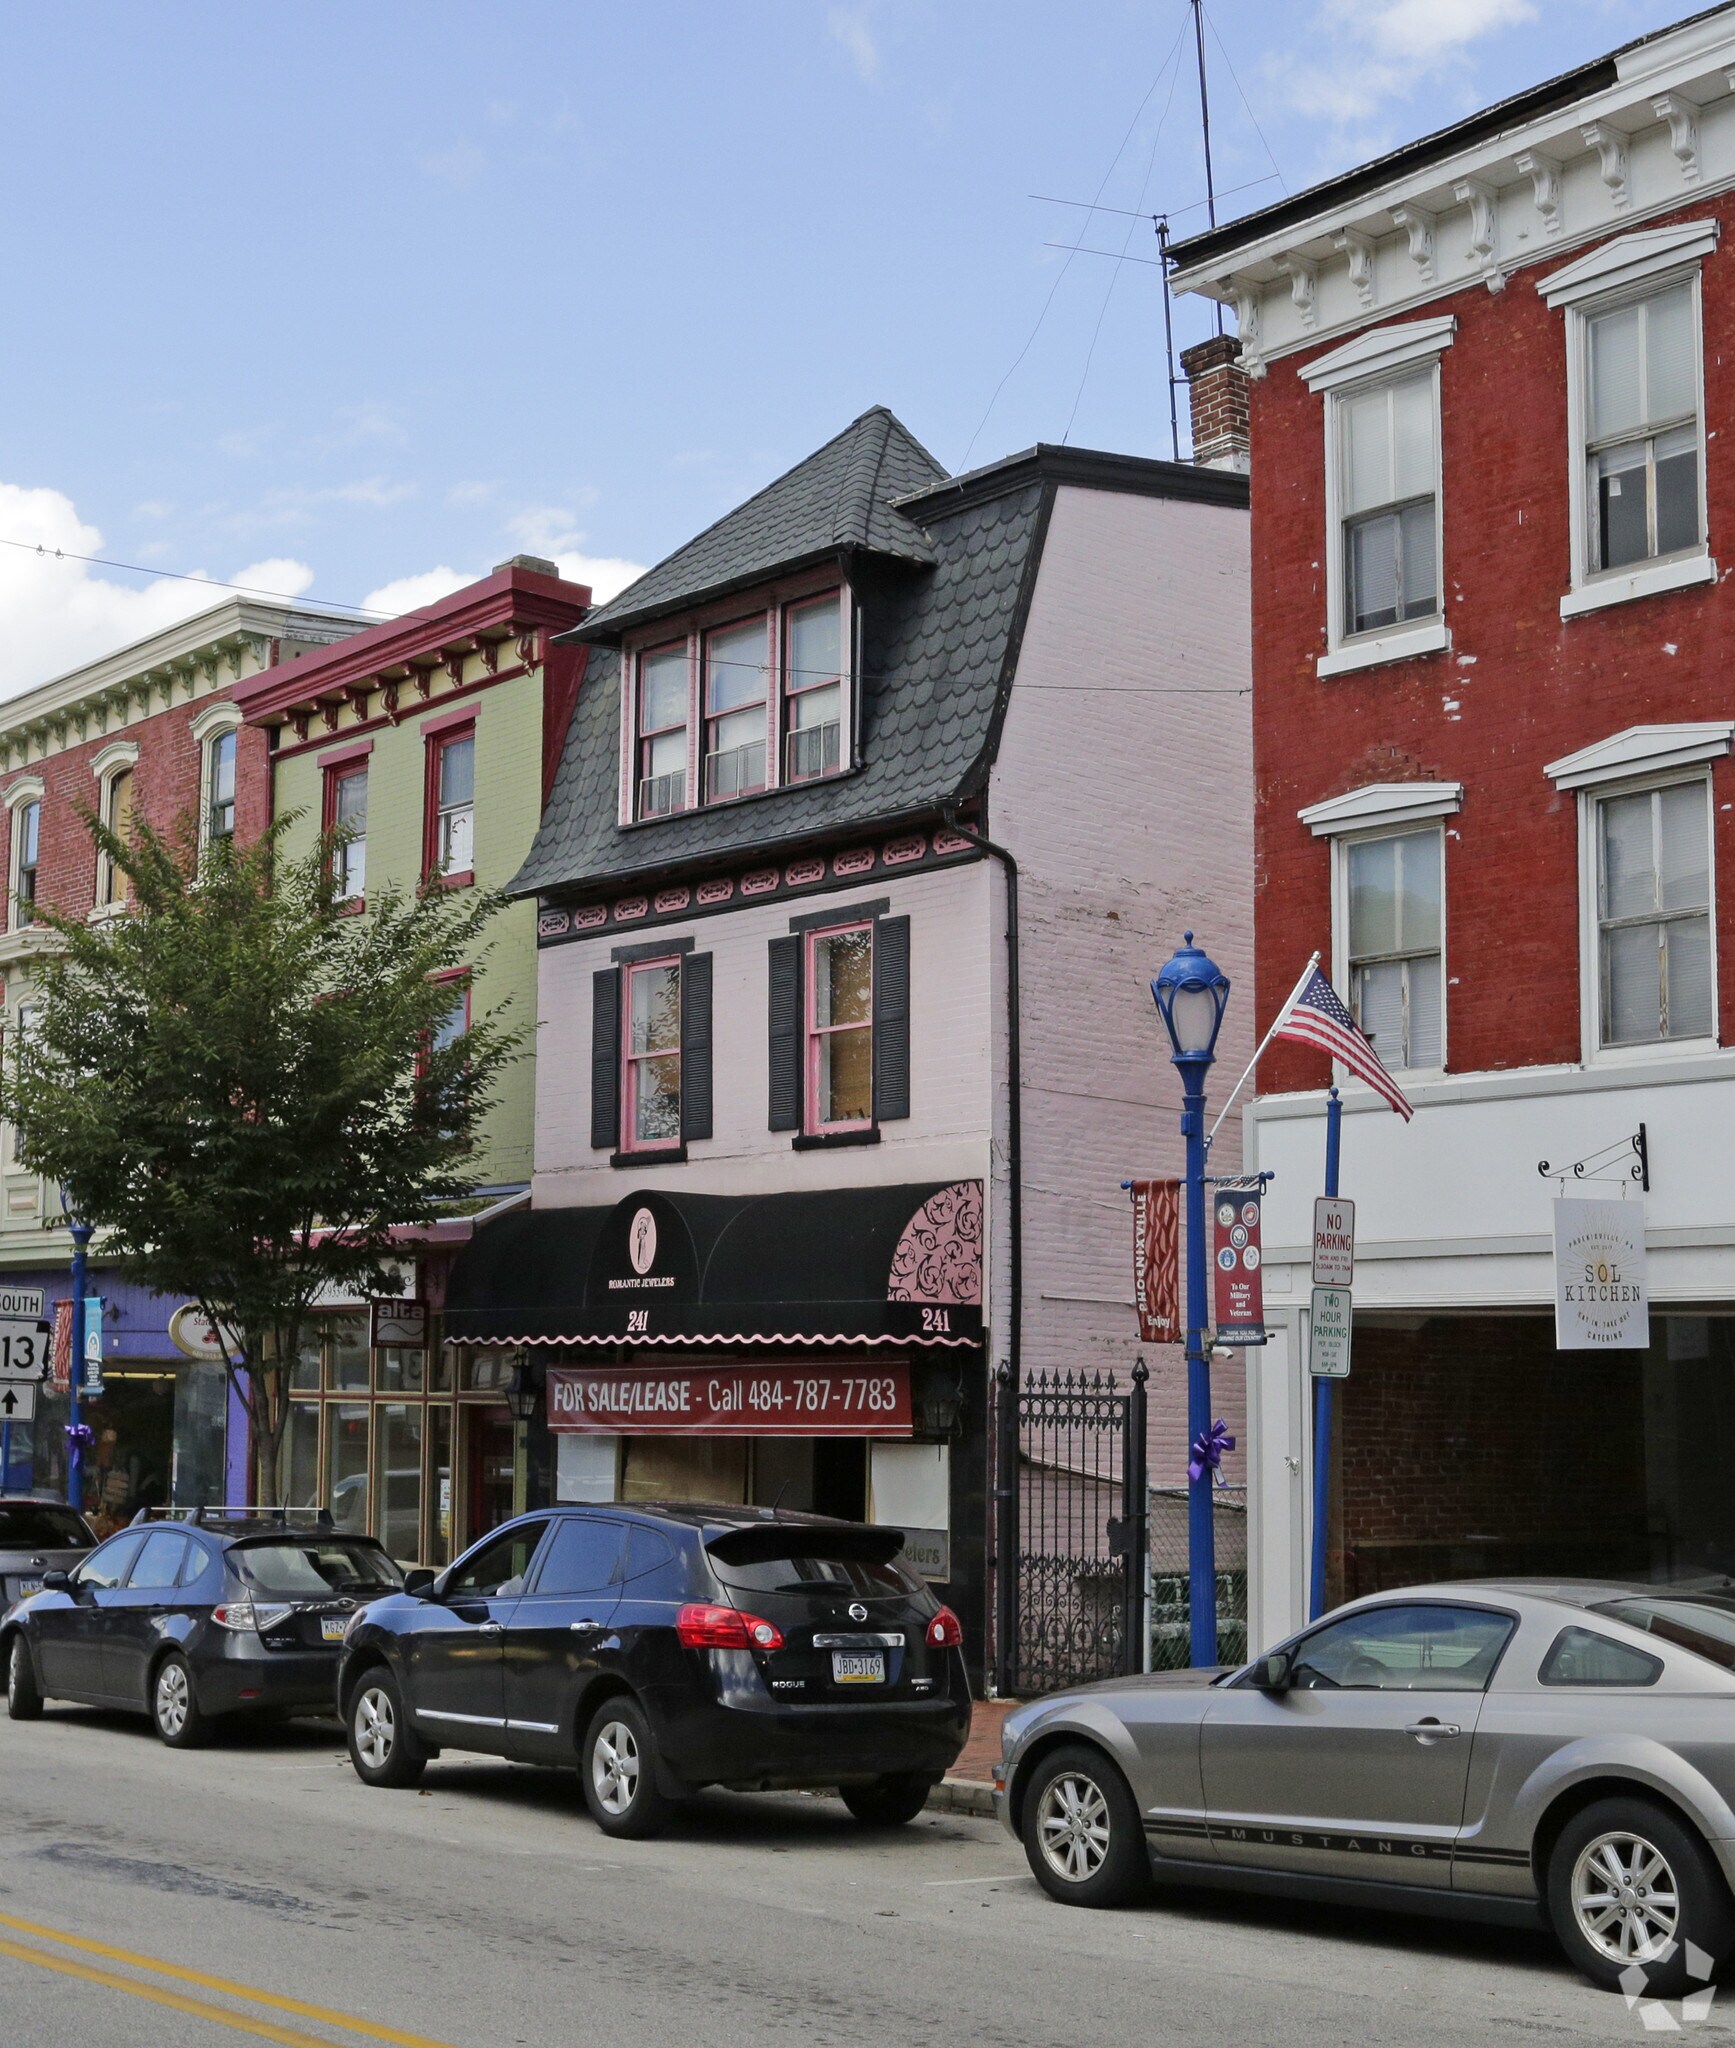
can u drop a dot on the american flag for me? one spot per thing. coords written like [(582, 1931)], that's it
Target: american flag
[(1316, 1016)]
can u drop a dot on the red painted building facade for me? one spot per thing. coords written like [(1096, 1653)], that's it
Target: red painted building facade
[(1491, 388)]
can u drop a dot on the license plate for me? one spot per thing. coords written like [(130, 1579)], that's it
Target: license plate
[(848, 1668), (332, 1626), (28, 1586)]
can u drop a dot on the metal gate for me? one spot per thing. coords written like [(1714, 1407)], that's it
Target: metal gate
[(1072, 1529)]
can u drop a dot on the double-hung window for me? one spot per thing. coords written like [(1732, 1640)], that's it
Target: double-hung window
[(1388, 470), (452, 784), (220, 786), (1392, 887), (1653, 914), (812, 690), (737, 683), (1641, 429), (27, 835), (661, 766), (113, 883), (651, 1066), (840, 1029), (346, 814)]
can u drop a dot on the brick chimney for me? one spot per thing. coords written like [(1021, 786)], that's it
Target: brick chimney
[(1217, 391)]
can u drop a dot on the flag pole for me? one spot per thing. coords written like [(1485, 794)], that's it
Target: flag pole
[(1277, 1023)]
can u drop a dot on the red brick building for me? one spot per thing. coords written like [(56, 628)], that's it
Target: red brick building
[(1491, 380), (150, 732)]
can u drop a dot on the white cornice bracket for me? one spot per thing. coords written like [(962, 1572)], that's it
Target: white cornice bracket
[(1359, 248), (1418, 224), (1611, 154), (1303, 274), (1683, 119), (1544, 175)]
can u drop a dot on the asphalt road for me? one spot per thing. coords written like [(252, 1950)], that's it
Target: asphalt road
[(256, 1891)]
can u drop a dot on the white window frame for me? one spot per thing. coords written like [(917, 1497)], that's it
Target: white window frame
[(719, 617), (1408, 826), (28, 789), (111, 762), (1590, 927), (207, 728), (1619, 273), (1383, 356)]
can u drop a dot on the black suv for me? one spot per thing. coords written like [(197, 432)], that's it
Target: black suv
[(189, 1616), (665, 1648), (37, 1535)]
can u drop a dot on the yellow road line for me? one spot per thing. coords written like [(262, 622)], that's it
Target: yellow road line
[(323, 2014)]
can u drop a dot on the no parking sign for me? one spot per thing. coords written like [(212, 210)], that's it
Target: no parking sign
[(1238, 1284)]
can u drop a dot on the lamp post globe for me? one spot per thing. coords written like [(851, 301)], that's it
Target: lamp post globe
[(1191, 993)]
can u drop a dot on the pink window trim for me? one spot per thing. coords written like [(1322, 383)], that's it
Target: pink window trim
[(430, 727), (344, 757), (790, 688), (642, 733), (765, 704), (813, 1032), (629, 1141)]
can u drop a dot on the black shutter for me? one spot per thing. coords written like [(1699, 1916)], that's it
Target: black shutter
[(891, 1018), (605, 1059), (695, 1046), (784, 1018)]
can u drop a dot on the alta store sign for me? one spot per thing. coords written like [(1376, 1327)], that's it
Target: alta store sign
[(732, 1400), (1601, 1302)]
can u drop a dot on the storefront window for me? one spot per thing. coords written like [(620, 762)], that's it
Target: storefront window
[(444, 1369), (304, 1373), (400, 1480), (346, 1465), (487, 1371), (400, 1371), (347, 1354), (301, 1455), (439, 1544)]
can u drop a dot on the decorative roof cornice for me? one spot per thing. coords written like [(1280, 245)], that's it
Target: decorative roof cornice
[(1635, 135)]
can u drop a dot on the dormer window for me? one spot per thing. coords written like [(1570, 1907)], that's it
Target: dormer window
[(662, 738), (737, 684), (739, 706), (812, 690)]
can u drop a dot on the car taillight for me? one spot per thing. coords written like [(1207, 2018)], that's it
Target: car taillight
[(725, 1628), (248, 1614), (945, 1631)]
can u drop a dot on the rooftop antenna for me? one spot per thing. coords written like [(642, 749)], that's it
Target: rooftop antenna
[(1205, 125), (1162, 220)]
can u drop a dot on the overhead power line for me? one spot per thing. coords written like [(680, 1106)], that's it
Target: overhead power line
[(48, 554)]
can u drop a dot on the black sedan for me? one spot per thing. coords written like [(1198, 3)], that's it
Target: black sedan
[(37, 1536), (666, 1648), (190, 1619)]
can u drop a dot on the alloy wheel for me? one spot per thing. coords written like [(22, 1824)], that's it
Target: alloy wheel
[(1072, 1824), (14, 1673), (172, 1699), (1625, 1898), (614, 1767), (376, 1728)]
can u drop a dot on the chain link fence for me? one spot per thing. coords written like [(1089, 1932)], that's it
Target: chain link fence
[(1171, 1590)]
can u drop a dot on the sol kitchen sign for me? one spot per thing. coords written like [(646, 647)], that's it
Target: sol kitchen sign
[(1238, 1281), (1601, 1302)]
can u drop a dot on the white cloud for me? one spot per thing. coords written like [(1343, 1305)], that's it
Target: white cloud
[(607, 575), (849, 27), (276, 576), (1370, 54), (410, 593), (56, 614)]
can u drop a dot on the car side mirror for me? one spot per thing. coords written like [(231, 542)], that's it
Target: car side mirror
[(419, 1582), (1275, 1672), (57, 1582)]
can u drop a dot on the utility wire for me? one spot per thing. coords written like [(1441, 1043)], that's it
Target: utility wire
[(48, 554), (1067, 265), (1173, 212), (1248, 104)]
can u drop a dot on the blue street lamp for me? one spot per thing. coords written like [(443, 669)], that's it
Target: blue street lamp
[(81, 1233), (1191, 994)]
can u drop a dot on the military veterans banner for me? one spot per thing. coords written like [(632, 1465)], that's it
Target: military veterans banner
[(1601, 1301), (1157, 1260)]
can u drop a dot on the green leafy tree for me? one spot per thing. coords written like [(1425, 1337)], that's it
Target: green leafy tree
[(249, 1090)]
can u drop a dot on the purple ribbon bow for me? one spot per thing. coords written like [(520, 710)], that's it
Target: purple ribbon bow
[(79, 1432), (1208, 1448)]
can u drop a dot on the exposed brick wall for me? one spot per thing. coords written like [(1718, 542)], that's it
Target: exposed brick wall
[(1218, 402), (1472, 1445), (1518, 688), (165, 782)]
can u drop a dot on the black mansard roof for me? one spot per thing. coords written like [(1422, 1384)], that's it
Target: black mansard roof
[(943, 568)]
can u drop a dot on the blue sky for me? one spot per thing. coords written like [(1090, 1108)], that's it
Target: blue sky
[(358, 300)]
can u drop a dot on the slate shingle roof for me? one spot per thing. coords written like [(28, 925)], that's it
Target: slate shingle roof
[(841, 497), (943, 587)]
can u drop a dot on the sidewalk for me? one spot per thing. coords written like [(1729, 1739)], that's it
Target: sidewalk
[(968, 1788)]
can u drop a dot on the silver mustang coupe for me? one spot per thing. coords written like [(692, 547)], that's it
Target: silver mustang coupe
[(1561, 1754)]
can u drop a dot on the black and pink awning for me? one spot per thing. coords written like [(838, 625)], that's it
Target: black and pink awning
[(873, 1267)]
